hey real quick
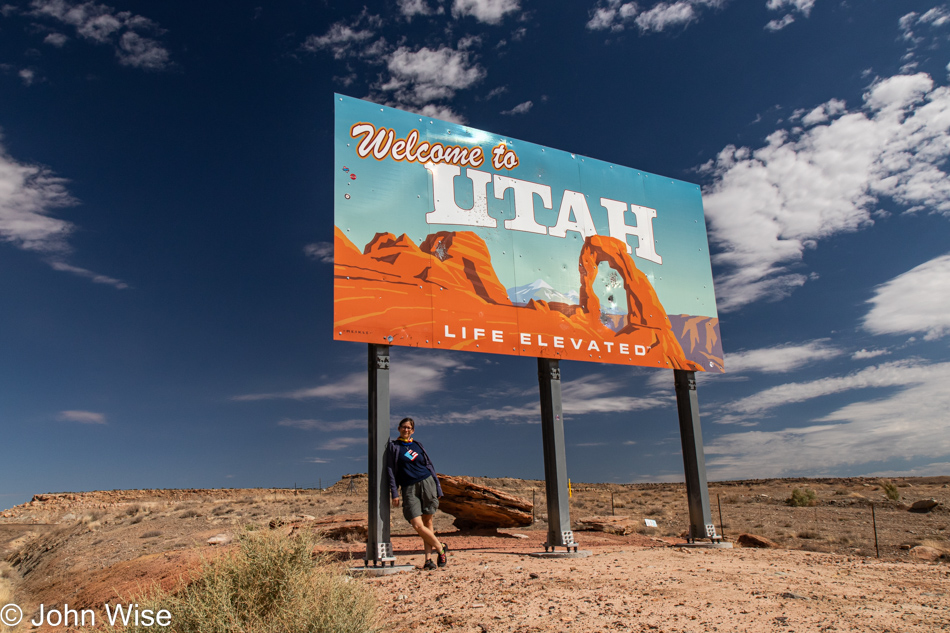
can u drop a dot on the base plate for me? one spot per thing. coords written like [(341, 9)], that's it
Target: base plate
[(704, 545)]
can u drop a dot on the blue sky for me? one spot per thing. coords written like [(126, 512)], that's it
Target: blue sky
[(166, 175)]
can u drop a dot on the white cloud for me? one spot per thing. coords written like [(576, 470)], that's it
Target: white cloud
[(488, 11), (580, 396), (897, 373), (102, 24), (28, 194), (864, 354), (345, 40), (83, 417), (521, 108), (439, 112), (934, 469), (912, 423), (916, 301), (56, 39), (323, 425), (766, 206), (317, 460), (616, 15), (417, 375), (28, 76), (824, 112), (141, 52), (801, 6), (781, 23), (341, 443), (320, 251), (781, 359), (425, 75), (95, 278), (410, 8), (933, 18), (663, 16)]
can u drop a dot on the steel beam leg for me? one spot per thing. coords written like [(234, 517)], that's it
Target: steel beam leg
[(555, 465), (379, 548), (694, 462)]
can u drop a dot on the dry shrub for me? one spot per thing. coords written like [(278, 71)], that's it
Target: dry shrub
[(654, 512), (802, 498), (890, 489), (151, 534), (270, 584), (808, 534)]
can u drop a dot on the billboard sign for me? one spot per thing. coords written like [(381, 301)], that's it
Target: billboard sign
[(454, 238)]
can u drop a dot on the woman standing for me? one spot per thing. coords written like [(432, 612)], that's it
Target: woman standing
[(411, 470)]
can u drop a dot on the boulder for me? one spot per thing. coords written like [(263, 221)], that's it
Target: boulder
[(754, 540), (220, 539), (339, 527), (924, 553), (924, 505), (477, 507), (611, 524)]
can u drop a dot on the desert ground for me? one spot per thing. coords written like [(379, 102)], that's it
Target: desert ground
[(826, 573)]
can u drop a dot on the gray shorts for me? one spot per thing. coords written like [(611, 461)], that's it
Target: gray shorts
[(420, 498)]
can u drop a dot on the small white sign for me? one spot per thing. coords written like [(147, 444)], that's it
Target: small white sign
[(650, 522)]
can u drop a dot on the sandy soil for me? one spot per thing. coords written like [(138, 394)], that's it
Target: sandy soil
[(90, 548), (628, 587)]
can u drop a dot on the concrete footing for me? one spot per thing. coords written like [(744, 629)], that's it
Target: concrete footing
[(704, 545), (379, 571), (583, 553)]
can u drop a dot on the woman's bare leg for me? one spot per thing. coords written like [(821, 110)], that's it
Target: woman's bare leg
[(423, 527)]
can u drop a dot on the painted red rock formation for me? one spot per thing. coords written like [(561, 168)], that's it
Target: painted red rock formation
[(445, 294), (700, 339)]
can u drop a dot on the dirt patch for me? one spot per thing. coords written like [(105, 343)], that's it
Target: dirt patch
[(89, 548)]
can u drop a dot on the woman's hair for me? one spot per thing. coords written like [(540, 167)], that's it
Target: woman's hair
[(411, 422)]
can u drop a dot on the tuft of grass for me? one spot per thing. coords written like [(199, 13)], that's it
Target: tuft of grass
[(808, 534), (151, 534), (802, 498), (890, 489), (270, 584), (187, 514)]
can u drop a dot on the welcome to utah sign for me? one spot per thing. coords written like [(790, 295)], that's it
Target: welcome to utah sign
[(453, 238)]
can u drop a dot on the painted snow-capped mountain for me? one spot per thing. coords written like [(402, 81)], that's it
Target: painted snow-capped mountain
[(540, 290)]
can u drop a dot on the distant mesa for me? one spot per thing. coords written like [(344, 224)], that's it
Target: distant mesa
[(425, 295)]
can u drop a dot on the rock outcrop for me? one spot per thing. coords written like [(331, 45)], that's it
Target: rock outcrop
[(338, 527), (476, 507), (754, 540), (611, 524)]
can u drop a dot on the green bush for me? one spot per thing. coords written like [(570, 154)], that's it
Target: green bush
[(270, 584), (890, 489), (802, 498)]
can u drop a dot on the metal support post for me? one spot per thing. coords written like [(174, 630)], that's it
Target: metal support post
[(555, 465), (379, 548), (694, 462)]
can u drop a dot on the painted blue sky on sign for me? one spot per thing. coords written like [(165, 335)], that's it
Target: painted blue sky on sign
[(385, 195), (166, 219)]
